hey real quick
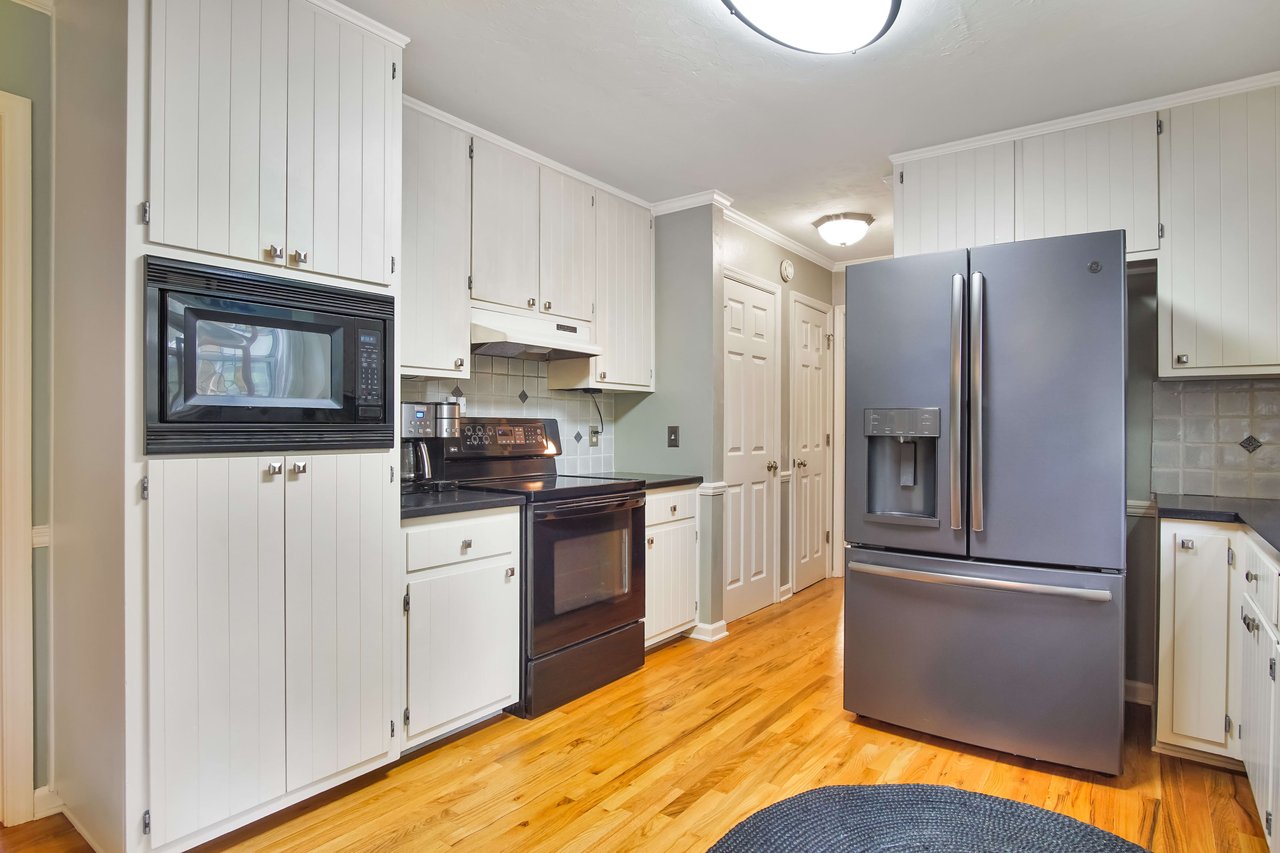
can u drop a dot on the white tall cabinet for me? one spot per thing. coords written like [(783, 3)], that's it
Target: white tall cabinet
[(275, 134), (270, 629)]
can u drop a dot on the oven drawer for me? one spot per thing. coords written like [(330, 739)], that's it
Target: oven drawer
[(669, 505), (457, 538)]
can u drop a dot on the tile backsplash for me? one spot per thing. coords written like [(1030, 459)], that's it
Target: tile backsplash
[(514, 388), (1196, 432)]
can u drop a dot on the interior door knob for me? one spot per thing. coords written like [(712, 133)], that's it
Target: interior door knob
[(772, 466)]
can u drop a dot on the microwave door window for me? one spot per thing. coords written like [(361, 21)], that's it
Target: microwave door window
[(239, 364)]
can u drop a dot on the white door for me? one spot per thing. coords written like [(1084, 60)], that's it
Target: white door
[(751, 379), (216, 629), (504, 227), (567, 246), (340, 515), (435, 304), (810, 442)]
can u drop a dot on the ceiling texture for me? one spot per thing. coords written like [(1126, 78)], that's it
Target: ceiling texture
[(663, 98)]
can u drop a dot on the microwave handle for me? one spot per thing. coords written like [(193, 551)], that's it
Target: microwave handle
[(585, 509)]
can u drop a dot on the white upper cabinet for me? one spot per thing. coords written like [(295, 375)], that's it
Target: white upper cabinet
[(504, 222), (275, 134), (1095, 178), (954, 201), (1221, 295), (624, 323), (435, 304), (567, 246)]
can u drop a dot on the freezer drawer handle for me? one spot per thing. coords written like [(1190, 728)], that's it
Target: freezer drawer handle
[(1098, 595)]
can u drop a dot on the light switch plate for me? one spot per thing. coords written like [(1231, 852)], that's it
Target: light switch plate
[(673, 436)]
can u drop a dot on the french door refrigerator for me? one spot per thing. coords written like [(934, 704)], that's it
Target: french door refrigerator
[(985, 496)]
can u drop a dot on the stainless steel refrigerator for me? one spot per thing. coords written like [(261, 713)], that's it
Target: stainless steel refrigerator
[(985, 496)]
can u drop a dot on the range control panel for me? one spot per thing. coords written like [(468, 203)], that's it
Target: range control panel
[(505, 437), (901, 422)]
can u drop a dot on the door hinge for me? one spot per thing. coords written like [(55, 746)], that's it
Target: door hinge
[(468, 282), (830, 336), (1159, 126), (593, 201), (393, 474), (406, 718), (146, 822), (393, 263), (393, 728), (827, 537), (899, 176), (593, 309), (1231, 556), (146, 488), (406, 601), (650, 223), (1268, 823), (695, 607), (1160, 231), (471, 149), (1271, 669), (146, 213), (1227, 724), (393, 71), (828, 439)]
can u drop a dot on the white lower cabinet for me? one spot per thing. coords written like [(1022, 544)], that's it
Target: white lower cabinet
[(269, 626), (1257, 744), (671, 563), (462, 620)]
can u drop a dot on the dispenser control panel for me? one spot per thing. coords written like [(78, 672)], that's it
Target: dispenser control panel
[(909, 423)]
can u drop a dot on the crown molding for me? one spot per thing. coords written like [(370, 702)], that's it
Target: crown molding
[(1218, 90), (467, 127), (687, 202), (45, 6), (362, 21), (782, 241)]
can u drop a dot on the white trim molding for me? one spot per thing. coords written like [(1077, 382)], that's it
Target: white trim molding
[(1141, 509), (780, 240), (709, 632), (687, 202), (45, 6), (17, 713), (1205, 93), (712, 490), (46, 802), (363, 21)]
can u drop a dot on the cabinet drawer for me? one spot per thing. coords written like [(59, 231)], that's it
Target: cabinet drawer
[(457, 539), (669, 505)]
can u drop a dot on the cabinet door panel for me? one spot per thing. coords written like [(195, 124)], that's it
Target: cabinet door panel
[(1201, 608), (624, 318), (504, 227), (670, 577), (1257, 649), (336, 517), (435, 304), (567, 246), (956, 200), (216, 628), (464, 645)]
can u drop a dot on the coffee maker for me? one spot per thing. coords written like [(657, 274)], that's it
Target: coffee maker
[(421, 424)]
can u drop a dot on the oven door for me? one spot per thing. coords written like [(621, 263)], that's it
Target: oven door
[(587, 569)]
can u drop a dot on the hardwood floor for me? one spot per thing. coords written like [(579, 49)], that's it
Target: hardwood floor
[(671, 757)]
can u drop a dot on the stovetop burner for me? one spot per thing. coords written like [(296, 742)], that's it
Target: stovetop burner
[(548, 487)]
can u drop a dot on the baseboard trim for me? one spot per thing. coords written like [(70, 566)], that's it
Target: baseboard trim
[(710, 632), (1139, 693), (1197, 756), (46, 802)]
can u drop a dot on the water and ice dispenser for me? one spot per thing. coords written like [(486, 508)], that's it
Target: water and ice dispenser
[(902, 465)]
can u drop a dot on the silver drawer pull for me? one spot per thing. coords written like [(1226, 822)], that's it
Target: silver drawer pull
[(1187, 544), (650, 541), (511, 572), (1097, 595), (673, 509), (466, 544)]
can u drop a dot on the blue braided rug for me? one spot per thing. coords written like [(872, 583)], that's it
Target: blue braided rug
[(902, 818)]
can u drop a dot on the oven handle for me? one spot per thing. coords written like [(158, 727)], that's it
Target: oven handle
[(596, 507)]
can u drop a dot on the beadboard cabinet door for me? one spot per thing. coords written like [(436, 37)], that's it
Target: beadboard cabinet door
[(340, 513), (216, 639), (1221, 294), (219, 104), (954, 201), (671, 579), (567, 246), (344, 147), (435, 304), (1258, 649), (504, 223), (1100, 177)]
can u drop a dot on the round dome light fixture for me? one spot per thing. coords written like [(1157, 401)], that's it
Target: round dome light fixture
[(844, 229), (818, 26)]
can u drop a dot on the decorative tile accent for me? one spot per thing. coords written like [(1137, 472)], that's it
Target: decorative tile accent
[(577, 436), (524, 398), (457, 391), (1250, 443)]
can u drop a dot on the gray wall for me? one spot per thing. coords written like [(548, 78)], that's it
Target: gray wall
[(26, 69)]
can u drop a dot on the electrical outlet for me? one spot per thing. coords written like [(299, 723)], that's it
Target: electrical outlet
[(673, 436), (594, 437)]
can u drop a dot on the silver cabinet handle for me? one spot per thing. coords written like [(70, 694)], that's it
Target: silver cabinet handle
[(1250, 577), (1182, 358), (650, 540), (1187, 544), (1095, 595), (300, 257), (976, 401), (673, 509), (957, 381), (546, 306), (274, 469), (276, 253), (457, 363), (299, 467), (603, 374), (511, 572), (533, 303), (466, 544)]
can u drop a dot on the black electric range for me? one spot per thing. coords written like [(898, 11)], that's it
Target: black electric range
[(583, 556)]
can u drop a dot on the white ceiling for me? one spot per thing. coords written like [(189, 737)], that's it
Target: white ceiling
[(662, 98)]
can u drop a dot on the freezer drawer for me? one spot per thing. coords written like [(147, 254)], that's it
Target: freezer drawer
[(1023, 660)]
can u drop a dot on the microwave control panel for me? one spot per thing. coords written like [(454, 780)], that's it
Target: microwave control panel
[(369, 369)]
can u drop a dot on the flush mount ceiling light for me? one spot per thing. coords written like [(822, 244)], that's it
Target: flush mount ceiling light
[(844, 229), (818, 26)]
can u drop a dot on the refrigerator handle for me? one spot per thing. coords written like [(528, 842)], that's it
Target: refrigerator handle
[(957, 341), (976, 310)]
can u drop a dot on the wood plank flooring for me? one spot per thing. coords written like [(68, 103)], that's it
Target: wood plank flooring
[(671, 757)]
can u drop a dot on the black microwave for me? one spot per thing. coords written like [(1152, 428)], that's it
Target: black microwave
[(239, 361)]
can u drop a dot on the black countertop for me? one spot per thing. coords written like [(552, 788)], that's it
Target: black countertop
[(442, 503), (1260, 514), (651, 481)]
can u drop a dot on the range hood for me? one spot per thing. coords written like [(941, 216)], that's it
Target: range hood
[(503, 335)]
